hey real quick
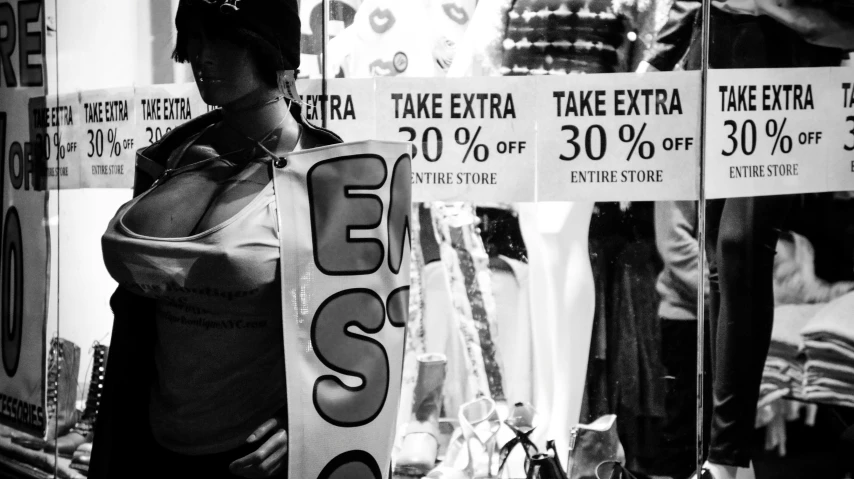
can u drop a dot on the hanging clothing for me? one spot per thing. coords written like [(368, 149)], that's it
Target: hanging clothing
[(557, 37), (676, 239)]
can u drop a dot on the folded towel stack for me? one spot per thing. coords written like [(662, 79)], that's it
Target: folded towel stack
[(784, 370), (829, 348)]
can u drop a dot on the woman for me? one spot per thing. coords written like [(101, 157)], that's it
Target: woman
[(196, 378)]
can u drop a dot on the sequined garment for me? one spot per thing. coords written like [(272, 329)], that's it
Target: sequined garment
[(465, 260), (557, 37)]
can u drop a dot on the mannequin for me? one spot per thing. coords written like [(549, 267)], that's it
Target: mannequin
[(206, 224)]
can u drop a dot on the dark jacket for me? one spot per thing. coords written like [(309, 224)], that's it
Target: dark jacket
[(123, 436), (747, 41)]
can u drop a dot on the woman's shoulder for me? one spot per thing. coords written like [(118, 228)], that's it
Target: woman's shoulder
[(319, 136), (151, 160)]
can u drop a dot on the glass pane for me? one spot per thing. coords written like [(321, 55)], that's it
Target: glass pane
[(115, 89), (29, 384), (561, 307), (778, 237)]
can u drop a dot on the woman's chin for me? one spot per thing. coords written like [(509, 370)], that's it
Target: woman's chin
[(213, 94)]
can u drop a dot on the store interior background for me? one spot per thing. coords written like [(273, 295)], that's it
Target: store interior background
[(131, 42)]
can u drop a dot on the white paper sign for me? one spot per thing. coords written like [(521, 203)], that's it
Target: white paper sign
[(349, 104), (106, 138), (475, 139), (160, 108), (55, 125), (618, 137), (840, 130), (23, 227), (767, 131)]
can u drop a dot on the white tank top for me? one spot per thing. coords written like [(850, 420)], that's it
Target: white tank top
[(219, 348)]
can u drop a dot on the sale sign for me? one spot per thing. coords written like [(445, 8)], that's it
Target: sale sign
[(55, 131), (618, 137), (348, 106), (105, 138), (23, 225), (160, 108), (344, 241), (840, 128), (769, 131), (475, 139)]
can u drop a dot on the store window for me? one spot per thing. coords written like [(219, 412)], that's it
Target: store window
[(540, 159), (573, 217), (778, 237)]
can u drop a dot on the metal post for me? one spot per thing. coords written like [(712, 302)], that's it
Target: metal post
[(701, 232), (324, 86)]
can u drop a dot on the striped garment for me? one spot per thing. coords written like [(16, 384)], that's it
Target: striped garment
[(557, 37)]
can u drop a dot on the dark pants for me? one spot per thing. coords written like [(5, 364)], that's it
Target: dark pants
[(741, 239), (678, 447)]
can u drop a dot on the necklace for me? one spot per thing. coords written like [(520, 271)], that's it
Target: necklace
[(260, 143), (256, 106), (265, 137)]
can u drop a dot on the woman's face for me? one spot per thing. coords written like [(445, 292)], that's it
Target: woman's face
[(225, 72)]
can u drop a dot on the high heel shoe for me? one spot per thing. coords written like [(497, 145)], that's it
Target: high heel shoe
[(522, 421), (473, 446), (479, 422)]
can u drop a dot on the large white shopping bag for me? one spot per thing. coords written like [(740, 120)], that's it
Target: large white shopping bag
[(344, 232)]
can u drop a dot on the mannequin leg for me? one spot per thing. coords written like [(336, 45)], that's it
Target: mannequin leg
[(714, 211), (745, 248)]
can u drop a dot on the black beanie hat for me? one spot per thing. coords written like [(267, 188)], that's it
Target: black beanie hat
[(276, 22)]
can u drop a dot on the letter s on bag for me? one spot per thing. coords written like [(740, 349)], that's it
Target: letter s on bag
[(352, 355)]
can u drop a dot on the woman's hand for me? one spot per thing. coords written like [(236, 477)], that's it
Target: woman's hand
[(269, 459)]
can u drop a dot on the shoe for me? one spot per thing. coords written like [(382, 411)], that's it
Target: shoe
[(522, 421), (480, 423), (420, 447), (81, 433), (62, 373), (455, 460), (592, 444), (471, 454), (62, 370)]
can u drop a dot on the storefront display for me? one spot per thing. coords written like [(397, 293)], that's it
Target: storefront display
[(630, 239), (24, 235)]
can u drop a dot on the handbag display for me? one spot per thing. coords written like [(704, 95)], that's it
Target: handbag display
[(592, 444), (546, 465)]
